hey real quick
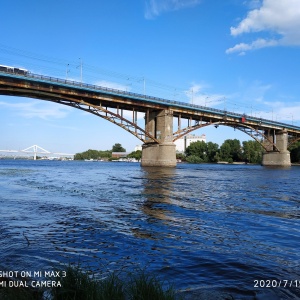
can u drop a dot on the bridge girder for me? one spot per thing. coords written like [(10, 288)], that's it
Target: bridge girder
[(251, 131), (293, 141), (112, 117), (254, 133), (130, 126), (98, 110), (87, 98), (182, 132)]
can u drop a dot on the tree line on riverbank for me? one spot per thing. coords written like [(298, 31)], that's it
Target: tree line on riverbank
[(99, 154), (295, 152), (232, 150), (105, 155)]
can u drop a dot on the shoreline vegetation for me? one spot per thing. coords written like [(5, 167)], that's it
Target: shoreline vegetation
[(197, 152), (230, 152), (81, 285)]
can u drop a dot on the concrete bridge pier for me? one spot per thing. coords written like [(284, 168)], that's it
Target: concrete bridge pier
[(159, 123), (275, 158)]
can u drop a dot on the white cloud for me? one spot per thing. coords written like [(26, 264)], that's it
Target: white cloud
[(252, 100), (156, 7), (113, 85), (290, 113), (255, 92), (196, 95), (38, 109), (280, 112), (252, 4), (128, 115), (259, 43), (279, 19)]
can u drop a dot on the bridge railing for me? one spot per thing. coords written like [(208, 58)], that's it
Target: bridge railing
[(149, 98)]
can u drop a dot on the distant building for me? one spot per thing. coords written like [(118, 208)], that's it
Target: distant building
[(138, 147), (184, 142), (118, 155)]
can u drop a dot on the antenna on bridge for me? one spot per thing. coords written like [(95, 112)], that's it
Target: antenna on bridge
[(67, 71), (35, 149), (80, 66)]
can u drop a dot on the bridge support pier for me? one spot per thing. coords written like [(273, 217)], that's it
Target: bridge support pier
[(281, 158), (160, 124), (158, 155)]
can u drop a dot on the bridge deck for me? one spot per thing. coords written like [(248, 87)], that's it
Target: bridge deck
[(98, 95)]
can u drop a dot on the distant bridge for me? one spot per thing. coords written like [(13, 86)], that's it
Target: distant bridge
[(35, 149), (158, 135)]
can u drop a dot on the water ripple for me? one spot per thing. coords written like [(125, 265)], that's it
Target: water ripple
[(211, 229)]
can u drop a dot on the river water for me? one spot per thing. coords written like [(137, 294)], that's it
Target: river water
[(211, 230)]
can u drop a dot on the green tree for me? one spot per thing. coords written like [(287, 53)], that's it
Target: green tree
[(135, 154), (205, 152), (225, 152), (198, 149), (231, 150), (118, 148), (252, 152), (92, 154), (212, 152), (295, 152), (181, 156), (194, 159)]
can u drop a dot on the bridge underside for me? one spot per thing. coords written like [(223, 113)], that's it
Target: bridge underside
[(279, 156), (162, 154), (157, 136), (160, 125)]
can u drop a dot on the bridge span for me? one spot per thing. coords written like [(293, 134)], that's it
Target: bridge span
[(157, 135), (35, 150)]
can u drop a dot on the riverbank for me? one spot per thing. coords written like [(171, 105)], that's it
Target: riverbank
[(74, 283)]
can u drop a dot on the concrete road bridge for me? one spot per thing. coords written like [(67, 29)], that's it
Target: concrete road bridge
[(157, 135)]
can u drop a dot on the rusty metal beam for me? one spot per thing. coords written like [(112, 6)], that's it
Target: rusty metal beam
[(101, 101), (98, 110), (293, 141), (254, 133)]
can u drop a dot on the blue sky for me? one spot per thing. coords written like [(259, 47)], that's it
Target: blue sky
[(233, 54)]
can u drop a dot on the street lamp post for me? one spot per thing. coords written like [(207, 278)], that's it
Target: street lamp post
[(80, 66), (205, 100), (67, 71)]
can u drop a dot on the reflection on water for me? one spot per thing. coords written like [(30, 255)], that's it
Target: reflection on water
[(207, 228), (158, 184)]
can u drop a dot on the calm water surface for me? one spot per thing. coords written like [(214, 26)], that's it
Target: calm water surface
[(209, 229)]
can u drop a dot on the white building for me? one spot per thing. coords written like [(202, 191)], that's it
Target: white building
[(138, 147), (184, 142)]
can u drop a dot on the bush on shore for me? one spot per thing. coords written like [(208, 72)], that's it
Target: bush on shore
[(79, 285)]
